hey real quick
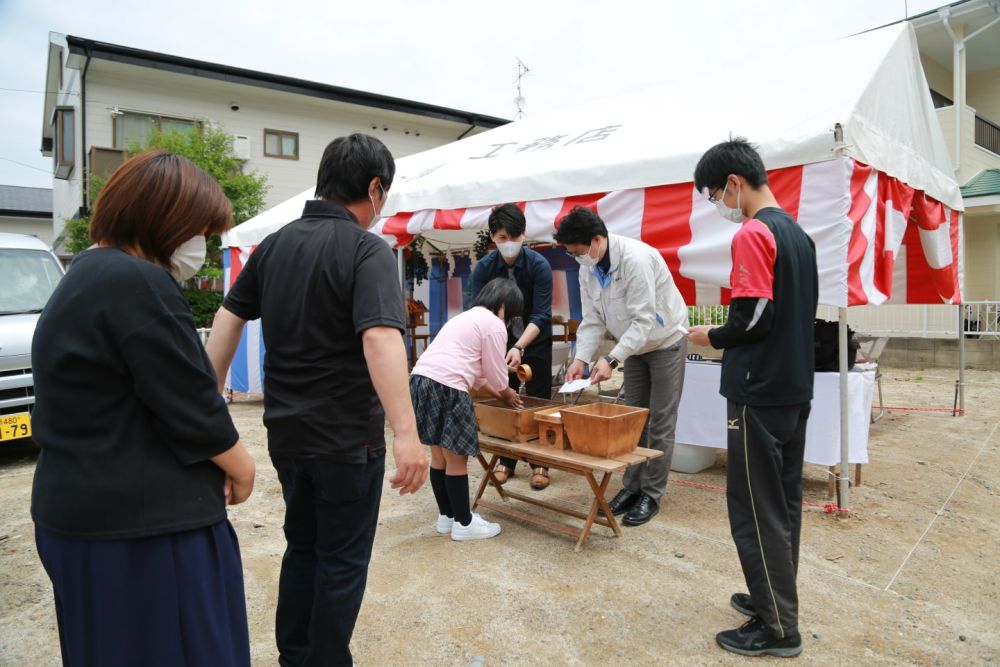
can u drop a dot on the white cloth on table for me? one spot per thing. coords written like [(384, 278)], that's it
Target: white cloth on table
[(701, 418)]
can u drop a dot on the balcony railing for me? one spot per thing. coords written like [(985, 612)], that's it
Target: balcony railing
[(987, 135), (982, 319)]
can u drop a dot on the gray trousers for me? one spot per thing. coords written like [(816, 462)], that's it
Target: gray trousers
[(654, 380)]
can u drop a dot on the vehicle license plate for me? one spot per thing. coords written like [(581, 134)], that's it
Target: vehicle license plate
[(15, 427)]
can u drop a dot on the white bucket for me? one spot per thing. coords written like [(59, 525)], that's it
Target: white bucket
[(692, 458)]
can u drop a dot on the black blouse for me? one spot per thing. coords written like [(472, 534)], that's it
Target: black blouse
[(127, 411)]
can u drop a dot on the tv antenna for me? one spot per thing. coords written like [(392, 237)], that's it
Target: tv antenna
[(522, 70)]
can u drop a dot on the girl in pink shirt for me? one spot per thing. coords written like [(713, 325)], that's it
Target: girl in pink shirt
[(467, 353)]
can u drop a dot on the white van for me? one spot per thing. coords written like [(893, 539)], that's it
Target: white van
[(29, 273)]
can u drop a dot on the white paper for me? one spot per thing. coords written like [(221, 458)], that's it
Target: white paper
[(575, 385), (683, 329)]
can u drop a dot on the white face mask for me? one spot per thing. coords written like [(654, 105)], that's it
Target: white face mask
[(730, 214), (376, 215), (509, 249), (188, 258), (586, 260)]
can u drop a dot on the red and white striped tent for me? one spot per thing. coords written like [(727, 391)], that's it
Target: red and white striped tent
[(848, 131), (878, 239)]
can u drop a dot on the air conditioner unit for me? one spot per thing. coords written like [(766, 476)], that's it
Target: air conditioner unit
[(241, 146)]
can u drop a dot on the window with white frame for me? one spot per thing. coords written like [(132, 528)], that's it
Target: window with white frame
[(65, 142), (281, 144)]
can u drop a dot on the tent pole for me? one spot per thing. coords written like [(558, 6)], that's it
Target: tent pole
[(844, 479), (961, 361), (401, 268)]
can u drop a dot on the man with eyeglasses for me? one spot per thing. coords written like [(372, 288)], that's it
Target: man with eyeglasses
[(767, 377), (627, 290)]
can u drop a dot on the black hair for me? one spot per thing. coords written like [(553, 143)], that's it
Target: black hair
[(507, 217), (501, 292), (736, 156), (580, 226), (349, 164)]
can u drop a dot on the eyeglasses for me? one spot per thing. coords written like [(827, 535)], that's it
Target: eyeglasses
[(580, 254), (713, 195)]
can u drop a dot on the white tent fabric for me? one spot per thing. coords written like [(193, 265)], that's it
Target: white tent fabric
[(257, 228), (872, 85)]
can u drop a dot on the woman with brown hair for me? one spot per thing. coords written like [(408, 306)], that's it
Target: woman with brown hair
[(139, 455)]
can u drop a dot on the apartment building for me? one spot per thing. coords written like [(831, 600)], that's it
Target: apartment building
[(102, 98)]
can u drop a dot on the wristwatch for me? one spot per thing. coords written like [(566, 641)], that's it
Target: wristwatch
[(611, 361), (518, 348)]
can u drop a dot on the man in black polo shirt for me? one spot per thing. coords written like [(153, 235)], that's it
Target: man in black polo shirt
[(332, 314), (767, 377), (529, 339)]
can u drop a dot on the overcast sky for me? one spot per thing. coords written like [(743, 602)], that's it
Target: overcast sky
[(458, 54)]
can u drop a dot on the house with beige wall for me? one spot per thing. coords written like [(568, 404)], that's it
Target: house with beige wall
[(959, 48), (960, 52), (106, 97)]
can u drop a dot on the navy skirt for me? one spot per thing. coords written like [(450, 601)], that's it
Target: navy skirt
[(445, 416), (168, 600)]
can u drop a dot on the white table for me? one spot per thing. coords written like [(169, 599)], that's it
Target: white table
[(701, 418)]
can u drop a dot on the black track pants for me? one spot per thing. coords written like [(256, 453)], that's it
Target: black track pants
[(764, 480)]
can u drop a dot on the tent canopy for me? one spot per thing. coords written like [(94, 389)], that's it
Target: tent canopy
[(872, 85), (848, 132)]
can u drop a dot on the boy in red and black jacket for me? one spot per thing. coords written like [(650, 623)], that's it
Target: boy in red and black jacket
[(767, 377)]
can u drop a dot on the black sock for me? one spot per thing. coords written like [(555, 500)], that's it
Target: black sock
[(441, 492), (458, 494)]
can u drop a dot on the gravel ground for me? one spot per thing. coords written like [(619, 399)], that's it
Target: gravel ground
[(910, 577)]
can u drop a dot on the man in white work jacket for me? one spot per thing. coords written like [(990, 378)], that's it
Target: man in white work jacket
[(626, 290)]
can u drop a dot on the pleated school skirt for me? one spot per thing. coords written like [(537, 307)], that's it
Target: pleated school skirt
[(445, 416), (169, 600)]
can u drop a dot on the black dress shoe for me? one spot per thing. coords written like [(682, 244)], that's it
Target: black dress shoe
[(753, 638), (623, 501), (641, 512), (743, 603)]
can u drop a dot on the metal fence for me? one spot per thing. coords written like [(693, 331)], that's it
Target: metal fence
[(707, 315), (899, 321), (980, 319)]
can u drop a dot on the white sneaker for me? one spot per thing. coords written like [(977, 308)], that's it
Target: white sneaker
[(478, 529), (444, 524)]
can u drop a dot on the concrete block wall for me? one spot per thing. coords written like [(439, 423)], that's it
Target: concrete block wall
[(980, 354)]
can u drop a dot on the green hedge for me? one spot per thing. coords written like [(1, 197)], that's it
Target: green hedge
[(203, 305)]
